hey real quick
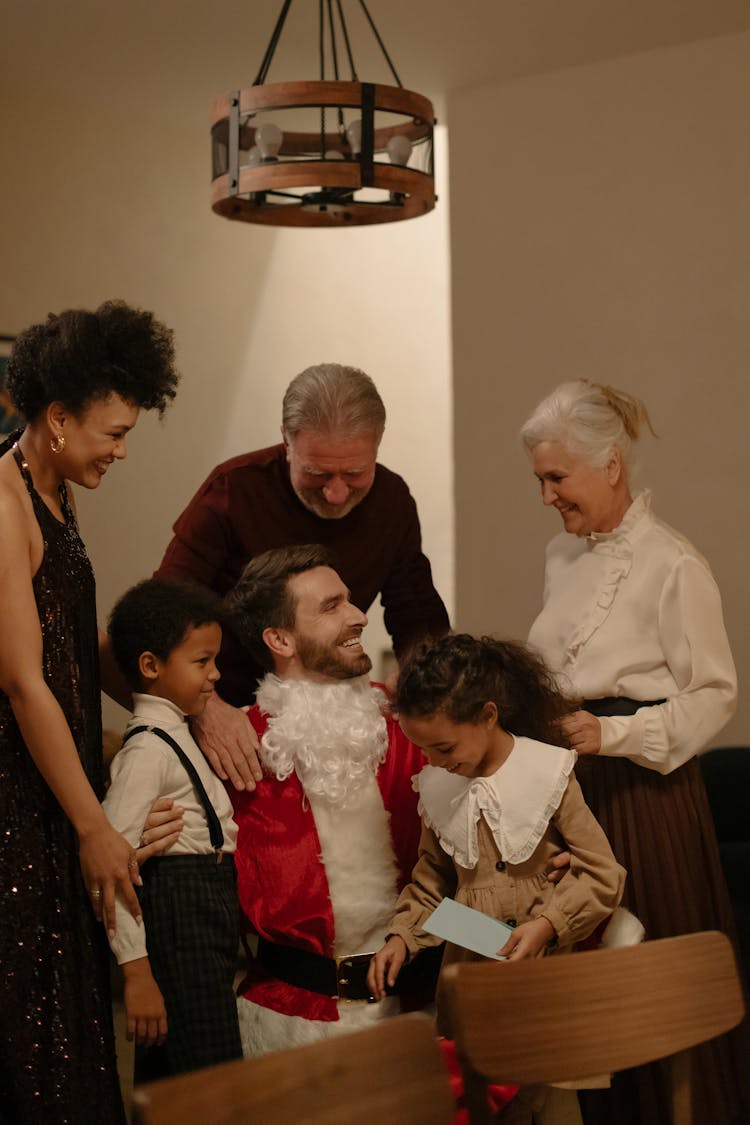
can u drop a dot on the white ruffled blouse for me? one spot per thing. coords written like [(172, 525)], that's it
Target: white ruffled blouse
[(635, 612)]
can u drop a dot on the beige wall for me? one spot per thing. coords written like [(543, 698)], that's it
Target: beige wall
[(599, 227), (93, 207)]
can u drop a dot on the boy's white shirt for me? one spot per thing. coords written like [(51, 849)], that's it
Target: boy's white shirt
[(147, 768)]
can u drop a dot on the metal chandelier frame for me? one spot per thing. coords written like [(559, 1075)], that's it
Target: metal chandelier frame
[(364, 153)]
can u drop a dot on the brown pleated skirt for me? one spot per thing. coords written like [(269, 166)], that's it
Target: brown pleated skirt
[(662, 832)]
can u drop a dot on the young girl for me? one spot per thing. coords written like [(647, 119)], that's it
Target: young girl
[(498, 800)]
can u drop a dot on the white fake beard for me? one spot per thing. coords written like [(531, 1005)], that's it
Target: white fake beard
[(333, 735)]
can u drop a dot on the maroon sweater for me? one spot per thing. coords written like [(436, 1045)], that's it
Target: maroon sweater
[(247, 506)]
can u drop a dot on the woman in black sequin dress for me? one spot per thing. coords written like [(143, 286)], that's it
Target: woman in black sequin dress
[(80, 380)]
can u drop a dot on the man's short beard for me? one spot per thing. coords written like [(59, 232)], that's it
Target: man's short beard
[(325, 661), (315, 502)]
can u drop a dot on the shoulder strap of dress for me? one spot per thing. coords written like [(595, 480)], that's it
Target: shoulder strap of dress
[(67, 511), (23, 468)]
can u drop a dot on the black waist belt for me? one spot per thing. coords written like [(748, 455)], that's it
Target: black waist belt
[(193, 861), (617, 705), (344, 977)]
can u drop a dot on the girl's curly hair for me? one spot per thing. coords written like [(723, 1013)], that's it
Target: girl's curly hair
[(457, 674), (77, 356)]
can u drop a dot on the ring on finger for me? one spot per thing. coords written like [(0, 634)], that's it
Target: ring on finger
[(133, 862), (96, 894)]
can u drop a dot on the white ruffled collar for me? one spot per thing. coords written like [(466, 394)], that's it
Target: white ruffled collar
[(640, 507), (517, 802)]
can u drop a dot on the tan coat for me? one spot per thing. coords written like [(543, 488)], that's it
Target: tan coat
[(587, 894)]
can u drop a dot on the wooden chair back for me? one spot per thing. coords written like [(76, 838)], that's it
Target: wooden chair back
[(393, 1071), (569, 1017)]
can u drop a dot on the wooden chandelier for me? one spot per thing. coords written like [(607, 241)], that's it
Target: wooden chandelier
[(322, 153)]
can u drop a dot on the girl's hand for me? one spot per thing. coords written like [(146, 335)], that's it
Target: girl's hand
[(584, 732), (385, 966), (144, 1004), (528, 940), (163, 826), (110, 868)]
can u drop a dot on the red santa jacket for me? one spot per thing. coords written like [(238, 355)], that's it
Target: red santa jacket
[(281, 878)]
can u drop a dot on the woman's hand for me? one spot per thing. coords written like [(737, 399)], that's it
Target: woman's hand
[(385, 966), (163, 826), (528, 940), (144, 1004), (110, 868), (584, 732), (229, 742), (559, 866)]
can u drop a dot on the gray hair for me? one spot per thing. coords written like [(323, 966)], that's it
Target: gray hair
[(330, 398), (588, 419)]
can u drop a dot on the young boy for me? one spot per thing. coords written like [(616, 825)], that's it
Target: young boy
[(180, 964)]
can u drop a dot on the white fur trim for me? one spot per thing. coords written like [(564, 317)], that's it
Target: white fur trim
[(263, 1030), (360, 868), (333, 734)]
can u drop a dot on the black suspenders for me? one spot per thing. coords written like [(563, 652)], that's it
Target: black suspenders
[(214, 825)]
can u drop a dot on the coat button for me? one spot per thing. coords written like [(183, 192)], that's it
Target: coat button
[(499, 866)]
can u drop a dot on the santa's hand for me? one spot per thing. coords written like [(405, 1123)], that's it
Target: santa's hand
[(228, 740), (528, 940), (385, 966), (584, 732)]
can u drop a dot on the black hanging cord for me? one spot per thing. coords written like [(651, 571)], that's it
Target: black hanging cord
[(322, 52), (376, 33), (332, 33), (273, 43), (335, 56), (345, 32)]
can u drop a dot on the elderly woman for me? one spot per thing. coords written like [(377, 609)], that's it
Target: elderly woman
[(632, 625), (80, 381)]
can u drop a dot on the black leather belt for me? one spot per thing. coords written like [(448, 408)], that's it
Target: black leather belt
[(345, 977), (617, 705)]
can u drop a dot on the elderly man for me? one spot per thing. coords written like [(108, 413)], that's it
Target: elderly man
[(322, 484), (331, 832)]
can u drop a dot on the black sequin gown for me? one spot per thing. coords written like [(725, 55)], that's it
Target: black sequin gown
[(57, 1054)]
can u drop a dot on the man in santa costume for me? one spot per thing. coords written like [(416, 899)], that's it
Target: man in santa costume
[(330, 834)]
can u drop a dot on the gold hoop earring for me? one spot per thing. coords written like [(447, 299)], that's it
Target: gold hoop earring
[(57, 444)]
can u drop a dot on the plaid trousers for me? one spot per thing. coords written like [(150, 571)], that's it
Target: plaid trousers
[(191, 915)]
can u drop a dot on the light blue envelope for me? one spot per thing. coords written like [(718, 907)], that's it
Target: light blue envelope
[(470, 928)]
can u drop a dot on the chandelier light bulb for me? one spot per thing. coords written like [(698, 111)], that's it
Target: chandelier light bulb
[(354, 136), (268, 138), (254, 157), (399, 149)]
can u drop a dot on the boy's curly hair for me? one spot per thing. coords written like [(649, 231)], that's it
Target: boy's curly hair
[(155, 616)]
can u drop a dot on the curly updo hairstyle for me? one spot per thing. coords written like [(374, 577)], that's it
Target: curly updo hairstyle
[(457, 674), (77, 356)]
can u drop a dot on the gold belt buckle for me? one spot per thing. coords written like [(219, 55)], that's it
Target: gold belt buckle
[(351, 976)]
